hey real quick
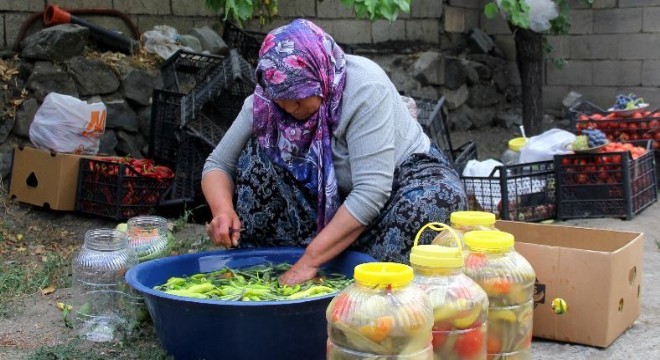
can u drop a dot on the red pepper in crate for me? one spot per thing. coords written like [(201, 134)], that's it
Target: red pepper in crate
[(122, 187)]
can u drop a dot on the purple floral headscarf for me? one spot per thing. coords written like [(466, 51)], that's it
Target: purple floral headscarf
[(297, 61)]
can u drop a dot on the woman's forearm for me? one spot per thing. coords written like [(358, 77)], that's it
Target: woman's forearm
[(218, 189), (338, 235)]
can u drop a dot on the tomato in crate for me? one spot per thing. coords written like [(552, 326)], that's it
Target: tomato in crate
[(619, 181), (121, 188), (636, 126)]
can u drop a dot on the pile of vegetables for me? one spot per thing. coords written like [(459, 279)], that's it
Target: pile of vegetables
[(256, 283)]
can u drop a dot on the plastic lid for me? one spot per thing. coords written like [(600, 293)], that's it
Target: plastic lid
[(383, 273), (472, 218), (436, 256), (516, 144), (488, 240)]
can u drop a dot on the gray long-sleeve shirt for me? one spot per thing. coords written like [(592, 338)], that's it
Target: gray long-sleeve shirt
[(375, 134)]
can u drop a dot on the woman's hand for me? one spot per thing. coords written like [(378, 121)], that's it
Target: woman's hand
[(224, 229), (301, 271)]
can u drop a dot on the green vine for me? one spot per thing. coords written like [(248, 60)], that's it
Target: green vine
[(517, 14), (240, 11)]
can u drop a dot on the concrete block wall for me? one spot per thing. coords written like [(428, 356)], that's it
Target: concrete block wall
[(613, 47), (424, 23)]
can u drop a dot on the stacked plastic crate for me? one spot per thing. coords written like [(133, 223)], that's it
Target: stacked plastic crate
[(201, 97), (521, 192), (432, 117)]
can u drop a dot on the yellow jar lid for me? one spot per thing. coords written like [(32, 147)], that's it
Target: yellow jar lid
[(383, 273), (472, 218), (436, 256), (488, 240), (518, 143)]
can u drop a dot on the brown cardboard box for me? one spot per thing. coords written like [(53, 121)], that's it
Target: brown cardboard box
[(44, 178), (597, 272)]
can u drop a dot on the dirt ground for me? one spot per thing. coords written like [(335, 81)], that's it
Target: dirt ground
[(34, 322)]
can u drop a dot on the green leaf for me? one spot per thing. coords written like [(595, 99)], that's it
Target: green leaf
[(491, 10), (404, 5)]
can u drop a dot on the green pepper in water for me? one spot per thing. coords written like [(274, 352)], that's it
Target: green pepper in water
[(256, 283), (311, 292), (195, 291)]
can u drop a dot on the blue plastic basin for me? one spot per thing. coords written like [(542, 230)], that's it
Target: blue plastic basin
[(211, 329)]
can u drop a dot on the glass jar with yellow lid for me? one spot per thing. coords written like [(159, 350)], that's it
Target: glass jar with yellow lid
[(508, 279), (462, 222), (460, 306), (382, 314)]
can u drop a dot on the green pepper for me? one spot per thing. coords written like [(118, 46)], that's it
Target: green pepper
[(312, 291), (186, 293), (175, 281)]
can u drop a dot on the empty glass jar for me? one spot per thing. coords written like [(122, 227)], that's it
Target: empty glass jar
[(103, 304)]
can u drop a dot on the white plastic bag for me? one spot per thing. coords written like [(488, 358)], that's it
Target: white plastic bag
[(66, 124), (163, 40), (545, 146)]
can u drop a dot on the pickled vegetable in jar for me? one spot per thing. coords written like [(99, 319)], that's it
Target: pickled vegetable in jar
[(508, 280), (464, 221), (460, 306), (381, 315)]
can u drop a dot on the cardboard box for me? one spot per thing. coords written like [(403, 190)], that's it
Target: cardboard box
[(44, 178), (597, 272)]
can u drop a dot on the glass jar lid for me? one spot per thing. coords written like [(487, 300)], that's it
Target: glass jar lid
[(488, 240), (383, 273), (472, 218), (518, 143)]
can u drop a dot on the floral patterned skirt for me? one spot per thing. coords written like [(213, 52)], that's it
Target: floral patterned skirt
[(275, 210)]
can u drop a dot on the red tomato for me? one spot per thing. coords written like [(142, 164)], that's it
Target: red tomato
[(582, 178), (439, 339), (493, 344), (470, 343)]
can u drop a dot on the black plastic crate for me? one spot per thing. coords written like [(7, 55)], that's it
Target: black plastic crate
[(185, 69), (165, 131), (611, 184), (463, 154), (247, 43), (218, 98), (116, 190), (186, 187), (430, 115), (521, 192)]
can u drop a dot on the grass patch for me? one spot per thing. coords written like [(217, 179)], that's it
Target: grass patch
[(85, 350), (18, 279)]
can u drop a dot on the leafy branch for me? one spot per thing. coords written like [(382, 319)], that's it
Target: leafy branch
[(517, 14), (240, 11)]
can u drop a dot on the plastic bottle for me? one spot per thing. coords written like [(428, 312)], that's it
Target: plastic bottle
[(102, 301), (462, 222), (382, 315), (508, 280), (511, 155), (460, 306)]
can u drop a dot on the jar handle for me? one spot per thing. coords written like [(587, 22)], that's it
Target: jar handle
[(438, 226)]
